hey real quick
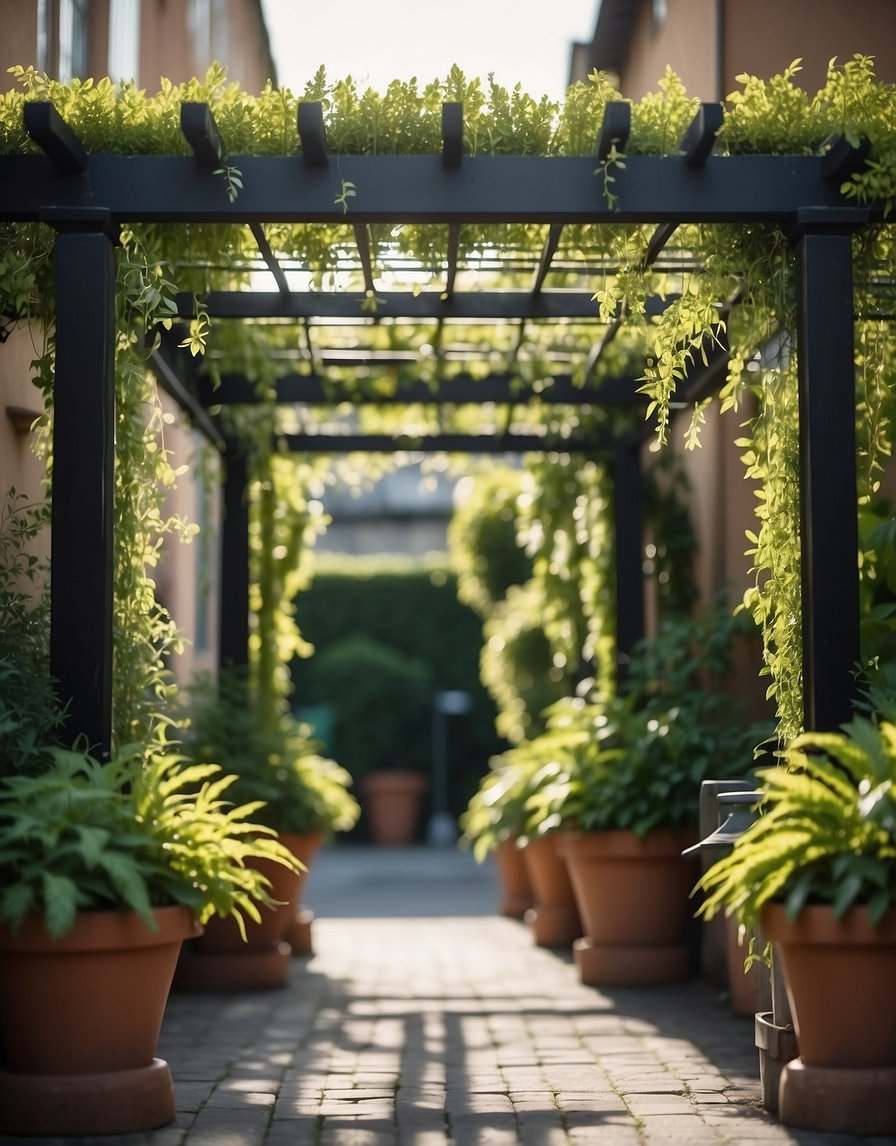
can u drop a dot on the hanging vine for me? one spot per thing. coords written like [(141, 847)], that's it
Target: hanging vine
[(747, 264)]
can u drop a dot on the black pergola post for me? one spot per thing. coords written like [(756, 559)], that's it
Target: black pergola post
[(233, 628), (829, 541), (628, 514), (83, 475)]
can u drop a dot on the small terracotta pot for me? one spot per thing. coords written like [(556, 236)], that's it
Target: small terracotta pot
[(516, 888), (840, 977), (632, 894), (554, 920), (80, 1019), (220, 960), (298, 931), (392, 802)]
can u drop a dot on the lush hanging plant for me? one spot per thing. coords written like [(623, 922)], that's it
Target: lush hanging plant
[(747, 263)]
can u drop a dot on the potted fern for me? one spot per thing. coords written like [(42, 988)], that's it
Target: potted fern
[(817, 873), (105, 868), (493, 824), (301, 795), (498, 820)]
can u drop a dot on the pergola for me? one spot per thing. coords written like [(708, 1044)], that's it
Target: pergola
[(85, 198)]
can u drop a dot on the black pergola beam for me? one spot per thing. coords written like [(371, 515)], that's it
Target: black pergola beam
[(81, 552), (270, 258), (451, 261), (201, 132), (312, 134), (628, 525), (442, 443), (614, 131), (547, 254), (452, 134), (362, 241), (233, 620), (499, 389), (842, 159), (698, 141), (55, 138), (396, 304), (829, 580), (399, 189)]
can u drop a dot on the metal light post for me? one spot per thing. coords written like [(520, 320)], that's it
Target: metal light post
[(442, 829)]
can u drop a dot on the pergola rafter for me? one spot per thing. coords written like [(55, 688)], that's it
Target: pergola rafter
[(86, 197)]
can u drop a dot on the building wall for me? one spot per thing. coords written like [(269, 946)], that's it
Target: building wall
[(683, 39), (760, 37), (142, 39), (177, 39)]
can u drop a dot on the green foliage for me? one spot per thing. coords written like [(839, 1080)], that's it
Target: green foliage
[(498, 810), (127, 834), (482, 540), (517, 666), (411, 607), (381, 700), (274, 765), (634, 760), (827, 833), (29, 713)]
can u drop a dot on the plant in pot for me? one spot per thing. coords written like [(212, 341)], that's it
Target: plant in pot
[(627, 772), (105, 867), (817, 873), (498, 820), (300, 795), (381, 702)]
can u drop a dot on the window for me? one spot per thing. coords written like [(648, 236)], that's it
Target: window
[(72, 39), (124, 40), (199, 26)]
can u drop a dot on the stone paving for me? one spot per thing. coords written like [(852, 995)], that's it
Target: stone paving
[(423, 1019)]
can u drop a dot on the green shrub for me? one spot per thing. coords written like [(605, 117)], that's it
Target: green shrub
[(381, 700), (412, 608)]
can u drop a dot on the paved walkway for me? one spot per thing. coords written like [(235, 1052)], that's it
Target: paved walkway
[(425, 1020)]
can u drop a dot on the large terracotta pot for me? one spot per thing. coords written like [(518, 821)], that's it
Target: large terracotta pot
[(392, 802), (840, 977), (220, 960), (516, 888), (554, 920), (633, 896), (79, 1023)]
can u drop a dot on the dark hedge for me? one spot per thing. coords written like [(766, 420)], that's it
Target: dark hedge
[(424, 633)]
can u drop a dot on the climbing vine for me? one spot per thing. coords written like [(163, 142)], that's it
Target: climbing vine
[(732, 283)]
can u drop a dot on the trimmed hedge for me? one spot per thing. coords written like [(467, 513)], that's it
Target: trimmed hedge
[(412, 609)]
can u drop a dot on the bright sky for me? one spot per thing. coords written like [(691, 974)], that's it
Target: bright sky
[(375, 41)]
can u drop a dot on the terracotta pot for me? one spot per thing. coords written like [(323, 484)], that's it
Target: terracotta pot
[(516, 888), (80, 1019), (220, 960), (633, 896), (392, 803), (554, 920), (840, 977), (298, 931)]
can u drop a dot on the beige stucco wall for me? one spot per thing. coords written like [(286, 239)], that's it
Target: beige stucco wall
[(19, 466), (187, 579)]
